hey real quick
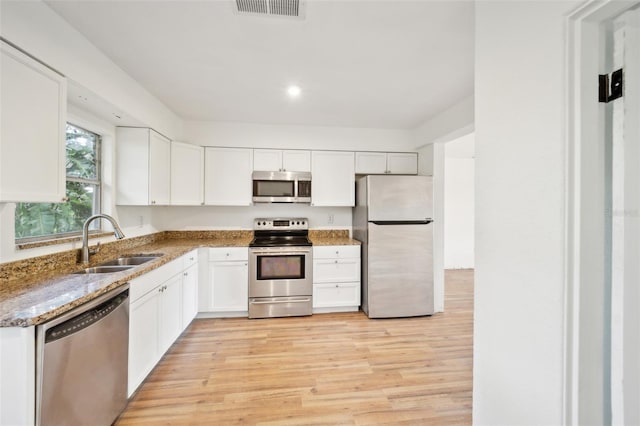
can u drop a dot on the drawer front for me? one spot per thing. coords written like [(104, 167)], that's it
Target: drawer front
[(141, 285), (336, 270), (333, 252), (228, 253), (336, 294), (190, 259)]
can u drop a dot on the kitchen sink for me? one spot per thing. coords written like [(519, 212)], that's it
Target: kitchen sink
[(104, 269), (131, 260)]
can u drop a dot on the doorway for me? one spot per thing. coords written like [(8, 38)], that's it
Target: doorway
[(603, 272)]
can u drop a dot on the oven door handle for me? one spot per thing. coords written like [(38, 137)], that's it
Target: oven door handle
[(281, 301), (280, 253)]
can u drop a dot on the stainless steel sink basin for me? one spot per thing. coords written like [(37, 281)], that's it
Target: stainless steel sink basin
[(103, 269), (130, 260)]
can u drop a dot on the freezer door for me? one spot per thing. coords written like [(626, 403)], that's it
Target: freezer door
[(399, 279), (399, 198)]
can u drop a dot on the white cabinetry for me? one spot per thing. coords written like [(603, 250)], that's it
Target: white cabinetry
[(333, 178), (143, 162), (281, 161), (336, 278), (228, 176), (33, 115), (187, 174), (157, 314), (189, 288), (404, 163), (227, 291)]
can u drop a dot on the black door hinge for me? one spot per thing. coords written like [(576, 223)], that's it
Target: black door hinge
[(610, 86)]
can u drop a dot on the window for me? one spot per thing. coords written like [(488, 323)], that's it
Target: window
[(38, 221)]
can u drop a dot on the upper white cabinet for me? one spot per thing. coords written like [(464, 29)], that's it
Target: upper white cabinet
[(227, 176), (143, 163), (333, 178), (187, 174), (33, 116), (281, 161), (372, 163)]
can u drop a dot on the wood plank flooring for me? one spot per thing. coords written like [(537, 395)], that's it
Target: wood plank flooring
[(327, 369)]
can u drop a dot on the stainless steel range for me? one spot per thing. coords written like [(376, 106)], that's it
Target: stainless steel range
[(280, 268)]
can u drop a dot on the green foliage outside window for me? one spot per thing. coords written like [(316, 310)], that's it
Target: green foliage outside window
[(82, 191)]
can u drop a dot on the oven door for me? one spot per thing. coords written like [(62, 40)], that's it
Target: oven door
[(280, 271)]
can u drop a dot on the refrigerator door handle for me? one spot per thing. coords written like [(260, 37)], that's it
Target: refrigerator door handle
[(402, 222)]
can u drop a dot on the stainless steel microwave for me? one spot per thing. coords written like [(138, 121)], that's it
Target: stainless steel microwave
[(281, 187)]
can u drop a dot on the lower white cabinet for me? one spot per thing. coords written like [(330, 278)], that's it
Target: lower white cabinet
[(160, 309), (336, 278), (189, 295), (227, 288)]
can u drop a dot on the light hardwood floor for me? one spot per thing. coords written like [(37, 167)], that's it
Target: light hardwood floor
[(329, 369)]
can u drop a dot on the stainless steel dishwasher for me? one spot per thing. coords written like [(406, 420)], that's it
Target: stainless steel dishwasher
[(81, 376)]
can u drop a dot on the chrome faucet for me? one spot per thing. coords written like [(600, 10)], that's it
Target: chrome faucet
[(85, 253)]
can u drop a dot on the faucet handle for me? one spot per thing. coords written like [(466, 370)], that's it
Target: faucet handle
[(95, 250)]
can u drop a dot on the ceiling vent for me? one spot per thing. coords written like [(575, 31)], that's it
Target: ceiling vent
[(283, 8)]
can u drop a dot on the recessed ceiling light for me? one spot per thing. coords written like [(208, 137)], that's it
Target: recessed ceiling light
[(293, 91)]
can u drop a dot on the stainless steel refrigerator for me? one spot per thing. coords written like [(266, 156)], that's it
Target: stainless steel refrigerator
[(394, 221)]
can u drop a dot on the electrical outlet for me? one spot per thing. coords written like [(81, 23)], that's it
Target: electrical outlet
[(330, 219)]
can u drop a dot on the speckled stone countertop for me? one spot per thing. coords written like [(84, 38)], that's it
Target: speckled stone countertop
[(331, 237), (35, 290)]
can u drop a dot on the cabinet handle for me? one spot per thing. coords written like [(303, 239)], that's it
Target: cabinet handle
[(185, 274), (191, 258), (337, 286), (335, 261)]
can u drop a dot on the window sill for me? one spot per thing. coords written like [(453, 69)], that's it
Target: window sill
[(56, 241)]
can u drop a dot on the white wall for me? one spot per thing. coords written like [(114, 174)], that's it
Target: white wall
[(450, 124), (459, 184), (520, 175), (207, 133)]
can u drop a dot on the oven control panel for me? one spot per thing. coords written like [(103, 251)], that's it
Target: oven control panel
[(291, 224)]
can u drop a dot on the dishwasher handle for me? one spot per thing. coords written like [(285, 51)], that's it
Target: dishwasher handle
[(86, 319)]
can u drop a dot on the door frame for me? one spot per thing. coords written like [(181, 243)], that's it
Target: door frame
[(586, 392)]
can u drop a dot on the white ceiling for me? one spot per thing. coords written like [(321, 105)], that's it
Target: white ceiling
[(376, 64)]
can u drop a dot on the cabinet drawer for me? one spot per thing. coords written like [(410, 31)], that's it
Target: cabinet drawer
[(333, 252), (228, 253), (190, 259), (336, 270), (336, 294), (141, 285)]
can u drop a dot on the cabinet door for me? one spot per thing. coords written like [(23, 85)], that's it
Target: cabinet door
[(329, 295), (228, 176), (187, 174), (229, 286), (267, 160), (296, 161), (159, 169), (143, 337), (189, 295), (371, 163), (32, 129), (333, 178), (402, 163), (170, 312)]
